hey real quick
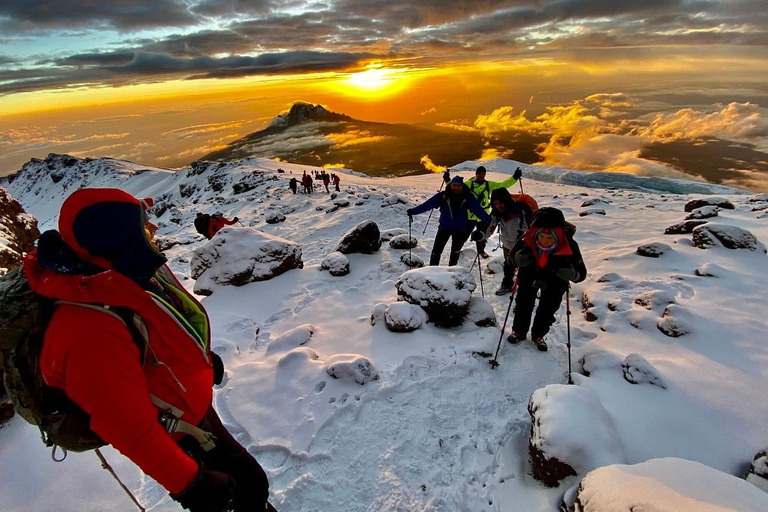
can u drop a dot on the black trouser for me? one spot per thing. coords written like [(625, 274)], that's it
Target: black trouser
[(229, 456), (509, 269), (478, 225), (293, 189), (457, 237), (552, 290)]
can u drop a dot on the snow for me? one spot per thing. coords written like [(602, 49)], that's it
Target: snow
[(705, 212), (336, 264), (404, 317), (439, 430), (667, 485)]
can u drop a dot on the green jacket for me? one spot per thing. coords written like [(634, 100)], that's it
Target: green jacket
[(483, 192)]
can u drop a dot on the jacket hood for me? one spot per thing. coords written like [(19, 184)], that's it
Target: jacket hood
[(105, 227), (503, 195)]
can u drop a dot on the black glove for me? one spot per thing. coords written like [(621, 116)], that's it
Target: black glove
[(518, 174), (409, 211), (566, 273), (477, 236), (522, 259), (218, 368), (236, 219), (447, 176), (211, 491)]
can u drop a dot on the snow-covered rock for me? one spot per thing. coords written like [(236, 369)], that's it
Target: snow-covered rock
[(364, 238), (481, 313), (18, 232), (495, 266), (238, 256), (710, 270), (675, 321), (393, 199), (403, 242), (411, 260), (378, 312), (297, 356), (351, 368), (274, 218), (708, 201), (335, 263), (592, 211), (296, 337), (571, 433), (705, 212), (637, 370), (732, 237), (404, 317), (443, 292), (759, 198), (758, 470), (341, 203), (389, 234), (594, 202), (596, 360), (683, 228), (653, 250), (667, 485)]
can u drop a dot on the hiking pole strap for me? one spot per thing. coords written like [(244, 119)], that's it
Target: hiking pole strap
[(105, 465), (169, 419)]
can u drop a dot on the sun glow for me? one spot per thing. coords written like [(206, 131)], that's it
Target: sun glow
[(375, 82)]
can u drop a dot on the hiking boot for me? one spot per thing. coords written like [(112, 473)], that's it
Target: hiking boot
[(485, 255), (540, 343), (503, 290), (515, 338)]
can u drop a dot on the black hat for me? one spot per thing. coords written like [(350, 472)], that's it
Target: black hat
[(480, 169), (549, 217)]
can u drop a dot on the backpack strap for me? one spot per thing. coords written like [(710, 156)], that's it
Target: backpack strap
[(169, 419)]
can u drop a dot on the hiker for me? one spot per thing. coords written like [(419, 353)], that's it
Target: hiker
[(511, 218), (336, 181), (218, 221), (202, 221), (454, 203), (547, 258), (139, 396), (482, 188), (326, 181), (294, 184), (310, 184), (305, 183)]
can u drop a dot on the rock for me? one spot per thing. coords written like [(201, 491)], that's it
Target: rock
[(666, 485), (169, 241), (351, 368), (683, 228), (655, 298), (732, 237), (238, 256), (675, 321), (332, 209), (378, 312), (705, 212), (411, 260), (334, 195), (481, 313), (341, 203), (710, 270), (318, 208), (403, 242), (495, 266), (18, 232), (709, 201), (389, 234), (275, 217), (759, 198), (596, 360), (611, 277), (637, 370), (363, 238), (595, 201), (758, 470), (571, 433), (443, 292), (293, 338), (393, 199), (592, 211), (336, 263), (404, 317), (653, 250)]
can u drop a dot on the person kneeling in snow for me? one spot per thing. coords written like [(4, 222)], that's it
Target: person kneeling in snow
[(217, 222), (151, 400), (548, 258), (454, 204)]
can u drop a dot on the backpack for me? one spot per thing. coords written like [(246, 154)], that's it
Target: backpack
[(201, 224), (24, 317)]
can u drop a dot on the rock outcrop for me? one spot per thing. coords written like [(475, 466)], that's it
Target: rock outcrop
[(18, 232), (733, 237), (364, 238), (443, 292)]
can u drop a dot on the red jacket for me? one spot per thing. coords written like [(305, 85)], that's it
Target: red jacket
[(216, 224)]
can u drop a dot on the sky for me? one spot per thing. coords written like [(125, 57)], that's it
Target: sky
[(642, 86)]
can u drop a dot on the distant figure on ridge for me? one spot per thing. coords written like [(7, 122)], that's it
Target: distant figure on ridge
[(294, 184), (217, 222), (481, 189), (326, 181), (336, 181)]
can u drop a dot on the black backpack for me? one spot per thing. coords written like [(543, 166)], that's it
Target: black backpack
[(24, 317), (201, 224)]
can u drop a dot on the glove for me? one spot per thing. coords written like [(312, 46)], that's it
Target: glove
[(447, 176), (566, 273), (218, 368), (477, 236), (211, 491), (409, 211), (522, 259), (518, 174), (236, 219)]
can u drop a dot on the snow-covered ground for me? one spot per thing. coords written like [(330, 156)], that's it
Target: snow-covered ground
[(439, 430)]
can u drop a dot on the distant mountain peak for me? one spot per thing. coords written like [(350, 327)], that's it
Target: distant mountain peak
[(302, 111)]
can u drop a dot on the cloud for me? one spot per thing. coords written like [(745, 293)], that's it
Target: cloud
[(560, 121), (354, 138), (749, 179), (735, 121), (431, 110), (203, 130), (430, 165), (457, 125), (491, 153)]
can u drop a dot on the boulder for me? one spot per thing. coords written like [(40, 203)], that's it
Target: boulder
[(758, 470), (364, 238), (351, 368), (666, 485), (389, 234), (708, 201), (274, 218), (732, 237), (393, 199), (759, 198), (293, 338), (411, 260), (341, 203), (710, 270), (335, 263), (592, 211), (404, 317), (675, 321), (594, 202), (705, 212), (653, 250), (683, 228), (443, 292), (481, 313), (596, 360), (495, 266), (571, 433), (18, 232), (637, 370), (238, 256), (403, 242), (378, 312)]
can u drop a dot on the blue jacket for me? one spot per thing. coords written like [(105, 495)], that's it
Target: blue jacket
[(453, 218)]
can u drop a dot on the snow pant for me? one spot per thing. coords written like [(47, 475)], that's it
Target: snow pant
[(229, 456), (509, 269), (552, 291), (478, 225), (457, 237), (337, 188), (293, 189)]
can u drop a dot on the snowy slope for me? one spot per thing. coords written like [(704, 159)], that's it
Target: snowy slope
[(440, 430)]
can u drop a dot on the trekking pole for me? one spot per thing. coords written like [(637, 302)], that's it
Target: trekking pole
[(568, 323), (410, 250), (105, 465), (520, 181), (433, 210), (494, 363), (480, 272)]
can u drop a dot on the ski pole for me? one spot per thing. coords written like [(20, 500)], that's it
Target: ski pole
[(520, 181), (494, 363), (568, 323), (433, 210), (480, 272), (105, 465), (410, 250)]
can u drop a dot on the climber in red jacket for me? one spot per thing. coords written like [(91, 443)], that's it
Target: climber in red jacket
[(103, 254), (217, 222)]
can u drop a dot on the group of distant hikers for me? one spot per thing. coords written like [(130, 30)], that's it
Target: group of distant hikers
[(101, 344), (540, 255), (308, 182)]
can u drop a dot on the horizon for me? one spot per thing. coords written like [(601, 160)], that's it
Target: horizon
[(670, 88)]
